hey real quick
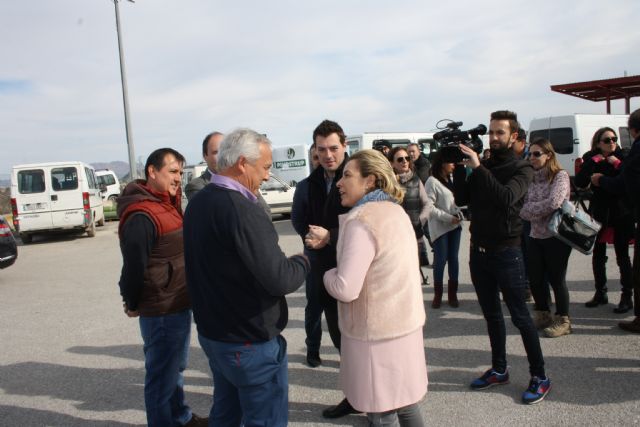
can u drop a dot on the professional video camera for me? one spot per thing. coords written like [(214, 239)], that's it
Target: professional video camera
[(451, 137)]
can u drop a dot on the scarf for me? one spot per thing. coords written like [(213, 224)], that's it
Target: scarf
[(376, 195)]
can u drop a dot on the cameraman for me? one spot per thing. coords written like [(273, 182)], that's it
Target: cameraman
[(494, 192)]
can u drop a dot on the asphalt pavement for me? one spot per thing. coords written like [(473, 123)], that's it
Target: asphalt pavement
[(70, 357)]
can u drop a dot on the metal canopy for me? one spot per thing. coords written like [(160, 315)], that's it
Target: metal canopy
[(603, 90)]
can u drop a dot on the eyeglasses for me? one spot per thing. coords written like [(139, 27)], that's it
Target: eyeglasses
[(609, 140), (402, 159), (536, 154)]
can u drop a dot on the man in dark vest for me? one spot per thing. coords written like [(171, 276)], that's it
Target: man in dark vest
[(153, 286)]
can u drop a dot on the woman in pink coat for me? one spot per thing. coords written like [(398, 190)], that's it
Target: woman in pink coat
[(378, 287)]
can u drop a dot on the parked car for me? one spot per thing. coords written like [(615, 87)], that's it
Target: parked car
[(55, 196), (8, 248), (108, 184), (278, 195)]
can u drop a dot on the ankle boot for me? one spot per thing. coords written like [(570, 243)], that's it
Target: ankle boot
[(625, 305), (542, 319), (560, 326), (599, 298), (437, 295), (452, 293)]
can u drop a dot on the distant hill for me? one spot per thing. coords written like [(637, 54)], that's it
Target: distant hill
[(119, 167)]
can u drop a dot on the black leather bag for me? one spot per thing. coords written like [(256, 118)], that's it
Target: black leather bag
[(574, 227)]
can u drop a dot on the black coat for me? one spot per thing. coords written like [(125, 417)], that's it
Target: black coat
[(607, 208)]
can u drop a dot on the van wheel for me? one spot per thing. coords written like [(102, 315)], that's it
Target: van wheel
[(101, 222), (91, 229), (26, 238), (113, 198)]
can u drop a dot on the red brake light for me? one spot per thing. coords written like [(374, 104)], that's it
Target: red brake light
[(14, 211)]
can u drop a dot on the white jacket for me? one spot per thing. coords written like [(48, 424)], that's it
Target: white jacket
[(442, 208)]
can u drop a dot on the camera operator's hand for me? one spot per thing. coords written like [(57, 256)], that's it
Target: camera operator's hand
[(472, 160)]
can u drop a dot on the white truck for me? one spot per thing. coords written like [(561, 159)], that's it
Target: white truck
[(291, 163), (368, 140), (571, 135), (55, 196)]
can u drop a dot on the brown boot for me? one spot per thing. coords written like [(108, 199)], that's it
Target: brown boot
[(452, 293), (542, 319), (437, 295), (632, 326), (560, 326)]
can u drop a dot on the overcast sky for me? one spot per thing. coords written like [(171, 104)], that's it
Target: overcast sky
[(280, 67)]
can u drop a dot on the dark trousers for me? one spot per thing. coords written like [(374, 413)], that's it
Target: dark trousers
[(319, 300), (548, 259), (636, 272), (599, 261), (503, 270)]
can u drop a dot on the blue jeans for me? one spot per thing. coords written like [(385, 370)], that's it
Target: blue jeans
[(250, 382), (445, 250), (166, 349), (498, 270)]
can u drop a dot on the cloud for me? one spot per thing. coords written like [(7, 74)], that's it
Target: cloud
[(281, 67)]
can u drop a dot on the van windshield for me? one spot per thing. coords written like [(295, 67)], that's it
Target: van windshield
[(64, 178), (561, 138), (31, 181)]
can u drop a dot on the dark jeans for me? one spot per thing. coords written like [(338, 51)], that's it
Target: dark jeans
[(166, 348), (313, 309), (409, 416), (548, 259), (636, 272), (319, 300), (445, 249), (250, 382), (503, 270), (599, 261)]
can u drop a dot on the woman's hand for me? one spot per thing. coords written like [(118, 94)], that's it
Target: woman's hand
[(317, 237), (613, 159)]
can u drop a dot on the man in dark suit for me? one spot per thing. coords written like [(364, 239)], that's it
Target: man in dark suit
[(210, 147)]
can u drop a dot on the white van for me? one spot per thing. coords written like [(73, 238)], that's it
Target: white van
[(55, 196), (292, 163), (369, 139), (571, 135), (108, 183)]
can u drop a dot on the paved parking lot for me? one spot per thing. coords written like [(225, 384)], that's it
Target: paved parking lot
[(70, 357)]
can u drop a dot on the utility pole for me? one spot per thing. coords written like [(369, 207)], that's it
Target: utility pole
[(133, 170)]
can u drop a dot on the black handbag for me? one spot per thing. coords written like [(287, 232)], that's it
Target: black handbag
[(574, 227)]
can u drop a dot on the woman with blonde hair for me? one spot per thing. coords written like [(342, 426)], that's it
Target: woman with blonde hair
[(378, 287), (546, 255)]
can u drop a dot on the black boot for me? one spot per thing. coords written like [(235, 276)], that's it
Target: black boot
[(438, 288), (626, 304), (599, 298), (340, 410)]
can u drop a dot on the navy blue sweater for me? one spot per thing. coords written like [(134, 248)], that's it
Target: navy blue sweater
[(237, 275)]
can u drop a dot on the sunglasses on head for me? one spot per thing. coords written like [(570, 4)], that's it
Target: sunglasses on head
[(402, 159), (536, 154), (609, 140)]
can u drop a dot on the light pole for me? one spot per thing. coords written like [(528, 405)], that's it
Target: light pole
[(133, 170)]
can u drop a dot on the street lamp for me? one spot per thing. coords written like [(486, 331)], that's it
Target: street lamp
[(133, 170)]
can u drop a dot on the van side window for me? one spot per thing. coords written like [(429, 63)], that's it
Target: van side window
[(31, 181), (106, 179), (352, 146), (561, 138), (91, 178), (66, 178)]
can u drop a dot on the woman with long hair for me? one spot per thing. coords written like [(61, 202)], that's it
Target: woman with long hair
[(415, 197), (615, 215), (445, 229), (377, 284), (546, 255)]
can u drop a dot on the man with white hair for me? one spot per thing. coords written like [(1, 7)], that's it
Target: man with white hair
[(237, 277)]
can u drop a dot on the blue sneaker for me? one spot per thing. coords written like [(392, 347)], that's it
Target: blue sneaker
[(489, 379), (538, 390)]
